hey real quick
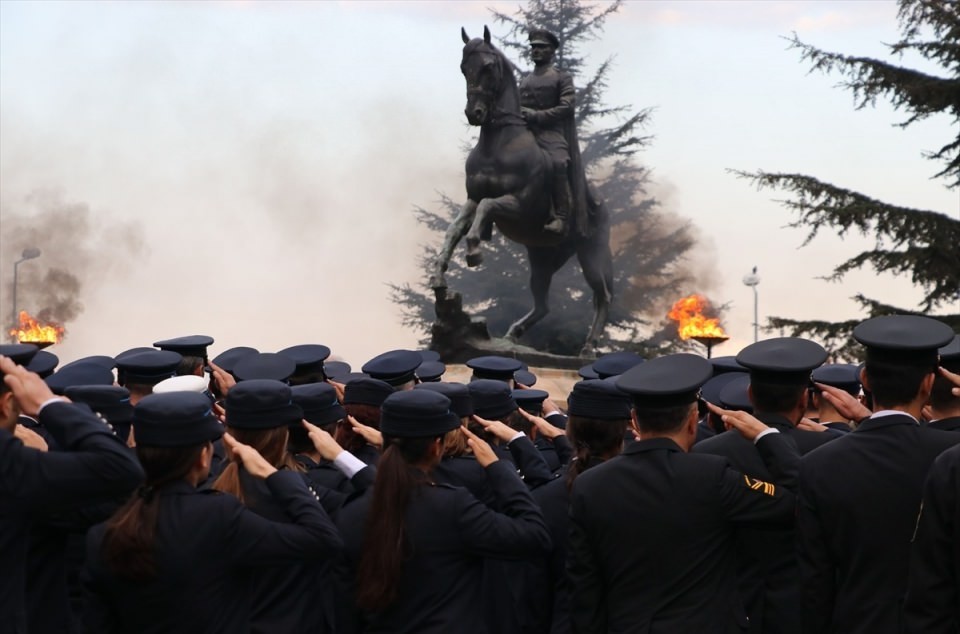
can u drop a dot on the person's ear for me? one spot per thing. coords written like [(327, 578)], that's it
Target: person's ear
[(9, 411), (863, 380)]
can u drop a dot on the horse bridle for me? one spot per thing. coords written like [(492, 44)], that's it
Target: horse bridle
[(498, 117)]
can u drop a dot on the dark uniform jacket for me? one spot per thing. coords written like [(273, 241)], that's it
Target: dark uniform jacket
[(933, 591), (553, 592), (553, 97), (207, 544), (651, 536), (767, 556), (946, 424), (858, 506), (279, 600), (449, 533), (93, 466)]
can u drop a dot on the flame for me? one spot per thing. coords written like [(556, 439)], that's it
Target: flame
[(691, 322), (32, 331)]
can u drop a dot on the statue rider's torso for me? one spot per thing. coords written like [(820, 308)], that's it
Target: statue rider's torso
[(551, 90)]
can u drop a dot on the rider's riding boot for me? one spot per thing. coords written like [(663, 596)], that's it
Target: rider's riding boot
[(561, 205)]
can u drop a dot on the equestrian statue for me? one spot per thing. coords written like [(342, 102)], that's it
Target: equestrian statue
[(525, 176)]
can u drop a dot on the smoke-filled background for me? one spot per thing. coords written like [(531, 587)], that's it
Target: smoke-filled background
[(247, 169)]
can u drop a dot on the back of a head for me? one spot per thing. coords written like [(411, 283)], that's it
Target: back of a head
[(665, 391), (902, 351), (780, 373)]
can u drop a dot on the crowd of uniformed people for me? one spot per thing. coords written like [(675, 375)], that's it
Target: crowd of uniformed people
[(162, 490)]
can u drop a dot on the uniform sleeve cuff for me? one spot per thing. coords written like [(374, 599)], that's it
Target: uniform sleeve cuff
[(519, 434), (55, 399), (770, 430), (348, 464)]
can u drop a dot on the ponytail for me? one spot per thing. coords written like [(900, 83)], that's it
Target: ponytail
[(594, 440), (129, 544), (384, 541), (272, 445)]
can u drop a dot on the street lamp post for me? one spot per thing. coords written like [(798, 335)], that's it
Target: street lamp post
[(752, 279), (28, 254)]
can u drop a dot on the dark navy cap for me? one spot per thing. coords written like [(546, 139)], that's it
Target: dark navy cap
[(845, 376), (97, 359), (19, 353), (525, 378), (261, 404), (43, 363), (175, 419), (616, 363), (429, 355), (598, 399), (587, 372), (148, 368), (395, 367), (319, 403), (336, 370), (530, 400), (736, 394), (417, 414), (710, 392), (133, 351), (492, 398), (264, 365), (430, 371), (494, 367), (353, 376), (950, 354), (366, 391), (110, 401), (227, 359), (78, 374), (458, 393), (903, 339), (782, 360), (726, 365), (309, 357), (189, 346), (666, 381)]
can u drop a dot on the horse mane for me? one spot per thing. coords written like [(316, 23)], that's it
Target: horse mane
[(509, 67)]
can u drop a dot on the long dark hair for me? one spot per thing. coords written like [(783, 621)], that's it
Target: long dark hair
[(593, 439), (350, 440), (384, 542), (129, 544), (272, 445)]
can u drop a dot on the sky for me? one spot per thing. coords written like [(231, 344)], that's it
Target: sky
[(247, 169)]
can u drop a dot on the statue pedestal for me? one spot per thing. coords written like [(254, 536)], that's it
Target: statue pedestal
[(458, 337)]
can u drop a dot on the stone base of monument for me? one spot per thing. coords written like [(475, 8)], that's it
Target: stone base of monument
[(458, 337)]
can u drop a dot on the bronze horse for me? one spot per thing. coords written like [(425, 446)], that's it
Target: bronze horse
[(507, 185)]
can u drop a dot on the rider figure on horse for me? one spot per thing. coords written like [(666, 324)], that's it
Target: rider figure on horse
[(547, 98)]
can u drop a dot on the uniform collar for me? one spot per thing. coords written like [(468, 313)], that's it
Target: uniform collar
[(180, 487), (886, 418), (652, 444), (778, 421)]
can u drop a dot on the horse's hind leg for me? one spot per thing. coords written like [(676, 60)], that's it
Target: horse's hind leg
[(455, 233), (488, 207), (597, 264), (544, 262)]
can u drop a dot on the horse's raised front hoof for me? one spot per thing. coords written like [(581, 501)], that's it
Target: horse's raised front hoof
[(474, 258)]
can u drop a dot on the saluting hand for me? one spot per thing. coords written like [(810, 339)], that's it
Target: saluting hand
[(482, 450), (249, 457), (498, 429), (323, 442), (224, 379), (811, 425), (339, 387), (28, 388), (30, 438), (748, 426), (846, 404), (371, 435), (543, 426), (953, 377)]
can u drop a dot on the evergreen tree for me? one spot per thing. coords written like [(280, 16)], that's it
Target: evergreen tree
[(919, 243), (649, 246)]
